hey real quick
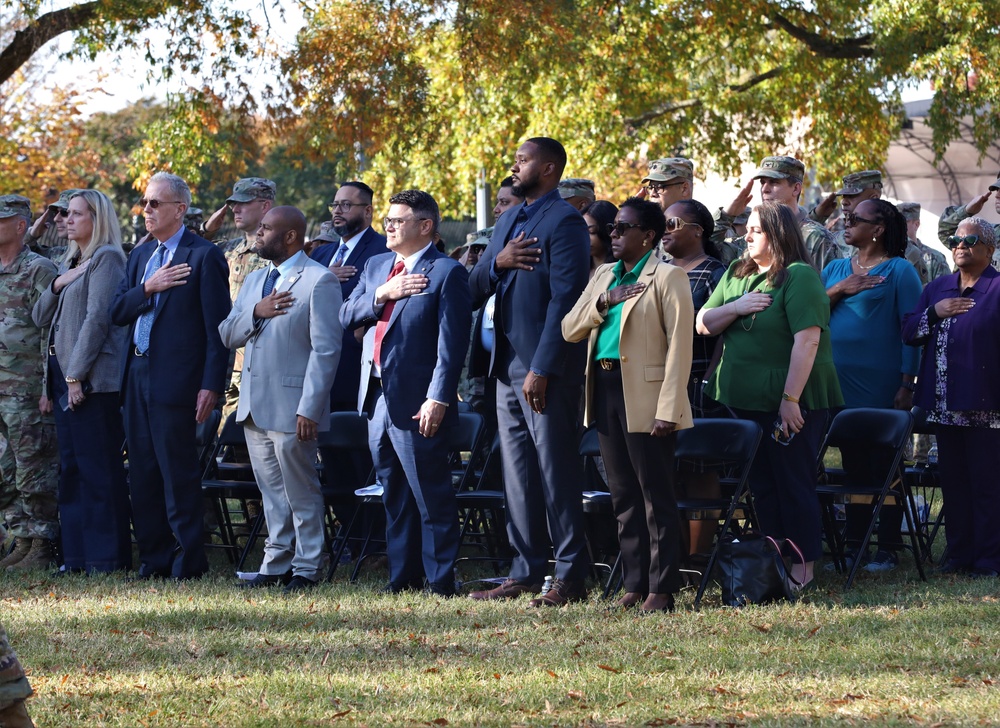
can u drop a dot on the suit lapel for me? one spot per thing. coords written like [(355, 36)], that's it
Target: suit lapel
[(352, 258), (423, 267), (645, 276), (181, 255)]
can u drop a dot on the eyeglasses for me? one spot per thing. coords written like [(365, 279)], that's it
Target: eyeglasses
[(395, 222), (675, 223), (621, 227), (62, 213), (970, 241), (850, 220), (344, 205), (143, 202), (660, 186)]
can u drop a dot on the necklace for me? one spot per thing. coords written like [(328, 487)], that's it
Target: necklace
[(753, 317), (862, 266), (690, 265)]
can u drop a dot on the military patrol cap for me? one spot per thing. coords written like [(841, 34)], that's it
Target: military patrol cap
[(193, 217), (909, 210), (249, 189), (664, 170), (11, 205), (480, 237), (858, 182), (63, 202), (577, 187), (743, 217), (996, 185), (781, 168), (326, 234)]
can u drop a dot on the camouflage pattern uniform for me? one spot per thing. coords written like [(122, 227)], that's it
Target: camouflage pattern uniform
[(242, 262), (50, 245), (930, 263), (14, 687), (29, 466), (573, 187)]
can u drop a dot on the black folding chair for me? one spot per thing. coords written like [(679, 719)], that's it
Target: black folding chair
[(730, 446), (923, 481), (878, 436)]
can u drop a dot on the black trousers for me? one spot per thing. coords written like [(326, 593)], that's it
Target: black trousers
[(640, 471)]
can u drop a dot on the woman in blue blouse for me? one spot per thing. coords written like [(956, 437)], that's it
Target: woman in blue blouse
[(870, 293), (957, 320)]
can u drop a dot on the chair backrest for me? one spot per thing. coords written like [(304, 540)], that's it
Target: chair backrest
[(920, 424), (870, 428), (590, 447), (466, 437), (205, 432), (344, 448), (232, 434), (348, 431), (728, 441)]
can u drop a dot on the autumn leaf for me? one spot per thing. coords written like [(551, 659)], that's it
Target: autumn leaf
[(609, 668)]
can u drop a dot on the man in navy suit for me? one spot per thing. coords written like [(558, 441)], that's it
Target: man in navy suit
[(416, 308), (537, 266), (174, 296), (352, 220)]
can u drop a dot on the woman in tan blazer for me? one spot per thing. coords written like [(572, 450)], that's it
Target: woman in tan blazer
[(83, 373), (638, 317)]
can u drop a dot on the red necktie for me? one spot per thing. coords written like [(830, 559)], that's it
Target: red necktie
[(383, 319)]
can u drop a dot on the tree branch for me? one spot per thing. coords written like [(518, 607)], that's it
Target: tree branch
[(40, 31), (669, 108), (859, 47)]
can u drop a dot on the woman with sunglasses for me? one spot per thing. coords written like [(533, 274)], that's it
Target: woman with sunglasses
[(870, 293), (84, 367), (956, 320), (777, 370), (689, 243), (637, 316), (598, 216)]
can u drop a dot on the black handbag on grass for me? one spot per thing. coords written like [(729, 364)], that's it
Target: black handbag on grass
[(754, 570)]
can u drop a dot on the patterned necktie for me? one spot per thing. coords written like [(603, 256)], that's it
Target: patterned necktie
[(269, 282), (145, 323), (341, 255), (383, 319)]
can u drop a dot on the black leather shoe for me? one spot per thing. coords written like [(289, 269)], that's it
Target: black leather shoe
[(264, 580), (981, 572), (299, 583), (446, 590)]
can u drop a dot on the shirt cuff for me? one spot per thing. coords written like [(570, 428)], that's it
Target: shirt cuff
[(539, 372), (437, 401)]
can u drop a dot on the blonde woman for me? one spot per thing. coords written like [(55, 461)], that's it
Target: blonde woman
[(84, 367)]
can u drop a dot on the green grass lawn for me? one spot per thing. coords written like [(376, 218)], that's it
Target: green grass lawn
[(892, 651)]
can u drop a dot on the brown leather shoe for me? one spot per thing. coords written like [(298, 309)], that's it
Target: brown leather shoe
[(509, 589), (562, 592)]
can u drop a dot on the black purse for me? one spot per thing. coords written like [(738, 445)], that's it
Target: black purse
[(754, 570)]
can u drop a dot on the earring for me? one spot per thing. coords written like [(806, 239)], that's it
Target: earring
[(874, 239)]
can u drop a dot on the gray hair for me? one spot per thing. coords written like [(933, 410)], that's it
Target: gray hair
[(176, 184), (987, 233)]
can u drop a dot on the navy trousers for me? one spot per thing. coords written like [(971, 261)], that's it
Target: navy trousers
[(164, 481), (93, 492)]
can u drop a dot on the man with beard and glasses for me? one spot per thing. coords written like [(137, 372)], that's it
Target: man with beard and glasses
[(537, 264), (352, 221)]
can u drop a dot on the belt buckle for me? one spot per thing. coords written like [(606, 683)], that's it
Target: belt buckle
[(606, 365), (52, 349)]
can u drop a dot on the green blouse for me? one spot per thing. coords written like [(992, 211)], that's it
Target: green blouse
[(609, 335), (757, 349)]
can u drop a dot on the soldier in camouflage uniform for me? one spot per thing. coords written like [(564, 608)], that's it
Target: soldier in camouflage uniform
[(930, 263), (780, 181), (251, 199), (47, 236), (953, 215), (14, 687), (857, 187), (577, 191), (29, 466)]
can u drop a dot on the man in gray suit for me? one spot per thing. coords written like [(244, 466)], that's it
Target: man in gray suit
[(286, 317)]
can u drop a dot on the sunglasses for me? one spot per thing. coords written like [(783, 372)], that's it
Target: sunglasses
[(621, 227), (970, 241), (660, 186), (675, 223), (156, 203), (62, 213), (850, 220)]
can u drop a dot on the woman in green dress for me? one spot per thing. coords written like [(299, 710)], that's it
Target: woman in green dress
[(777, 369)]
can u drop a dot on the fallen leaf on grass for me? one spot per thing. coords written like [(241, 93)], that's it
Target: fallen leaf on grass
[(609, 668), (765, 628), (496, 675), (575, 694), (813, 631), (341, 714), (440, 721), (431, 669), (552, 674)]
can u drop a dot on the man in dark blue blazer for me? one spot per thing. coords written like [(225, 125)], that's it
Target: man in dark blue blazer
[(416, 308), (537, 264), (174, 296), (352, 220)]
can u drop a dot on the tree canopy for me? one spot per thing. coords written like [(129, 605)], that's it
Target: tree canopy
[(424, 93)]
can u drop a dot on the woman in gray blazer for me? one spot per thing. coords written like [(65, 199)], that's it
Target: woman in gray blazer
[(83, 373)]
